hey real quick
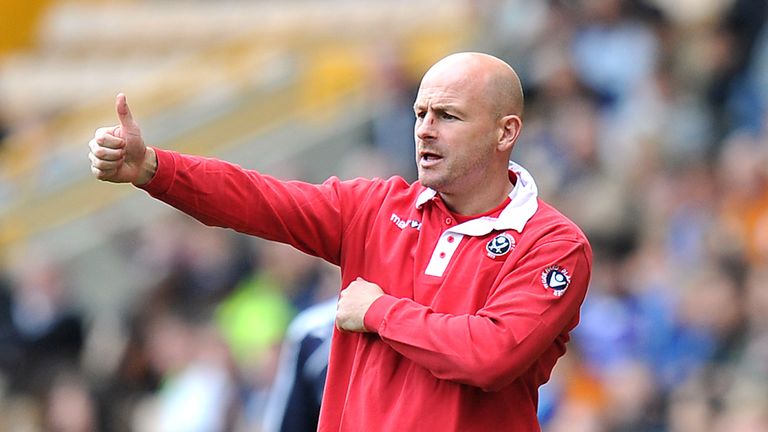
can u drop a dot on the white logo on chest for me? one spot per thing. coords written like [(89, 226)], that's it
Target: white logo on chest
[(403, 224)]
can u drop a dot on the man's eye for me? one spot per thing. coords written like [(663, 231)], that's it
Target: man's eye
[(420, 114), (446, 116)]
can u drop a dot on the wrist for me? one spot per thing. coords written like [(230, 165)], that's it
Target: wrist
[(374, 316), (148, 167)]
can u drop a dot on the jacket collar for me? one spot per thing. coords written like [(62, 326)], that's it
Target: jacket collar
[(523, 204)]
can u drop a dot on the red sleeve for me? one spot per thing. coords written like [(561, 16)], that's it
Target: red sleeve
[(309, 217), (490, 349)]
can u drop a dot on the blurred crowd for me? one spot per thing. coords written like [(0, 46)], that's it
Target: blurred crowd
[(645, 122)]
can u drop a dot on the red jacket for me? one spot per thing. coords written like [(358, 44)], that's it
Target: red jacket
[(475, 314)]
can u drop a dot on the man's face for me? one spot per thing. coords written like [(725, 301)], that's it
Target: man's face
[(456, 131)]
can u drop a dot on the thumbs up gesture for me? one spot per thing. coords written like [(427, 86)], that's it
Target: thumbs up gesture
[(118, 153)]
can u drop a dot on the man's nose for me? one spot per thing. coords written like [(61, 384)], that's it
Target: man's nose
[(425, 129)]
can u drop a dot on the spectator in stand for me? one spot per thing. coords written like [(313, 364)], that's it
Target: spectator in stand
[(40, 329), (297, 391)]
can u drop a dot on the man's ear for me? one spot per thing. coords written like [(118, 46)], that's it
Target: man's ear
[(510, 127)]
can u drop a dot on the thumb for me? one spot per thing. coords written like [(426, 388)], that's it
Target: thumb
[(124, 113)]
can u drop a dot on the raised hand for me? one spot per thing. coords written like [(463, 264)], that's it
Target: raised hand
[(118, 153)]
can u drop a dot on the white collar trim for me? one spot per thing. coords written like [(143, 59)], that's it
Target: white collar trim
[(523, 204)]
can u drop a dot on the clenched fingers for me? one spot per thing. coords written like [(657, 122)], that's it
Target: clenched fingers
[(102, 174), (105, 153), (106, 137), (105, 164), (106, 159)]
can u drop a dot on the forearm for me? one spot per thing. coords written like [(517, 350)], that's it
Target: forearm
[(477, 350), (222, 194), (491, 347)]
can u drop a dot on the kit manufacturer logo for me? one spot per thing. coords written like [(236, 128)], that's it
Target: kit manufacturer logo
[(403, 224)]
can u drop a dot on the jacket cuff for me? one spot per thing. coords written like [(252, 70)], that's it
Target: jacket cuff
[(374, 316), (163, 178)]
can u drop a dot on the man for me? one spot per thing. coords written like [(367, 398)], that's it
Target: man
[(297, 391), (458, 291)]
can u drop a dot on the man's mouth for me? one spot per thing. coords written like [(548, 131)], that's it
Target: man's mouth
[(428, 159)]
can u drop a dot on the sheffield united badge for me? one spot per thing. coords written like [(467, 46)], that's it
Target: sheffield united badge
[(500, 245)]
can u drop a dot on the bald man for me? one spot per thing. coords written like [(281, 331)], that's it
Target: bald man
[(458, 291)]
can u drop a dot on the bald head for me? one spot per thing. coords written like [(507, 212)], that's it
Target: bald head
[(496, 81)]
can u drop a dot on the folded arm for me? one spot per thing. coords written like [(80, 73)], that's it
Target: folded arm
[(491, 348)]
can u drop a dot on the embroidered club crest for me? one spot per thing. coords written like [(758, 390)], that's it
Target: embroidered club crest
[(500, 245), (555, 278)]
